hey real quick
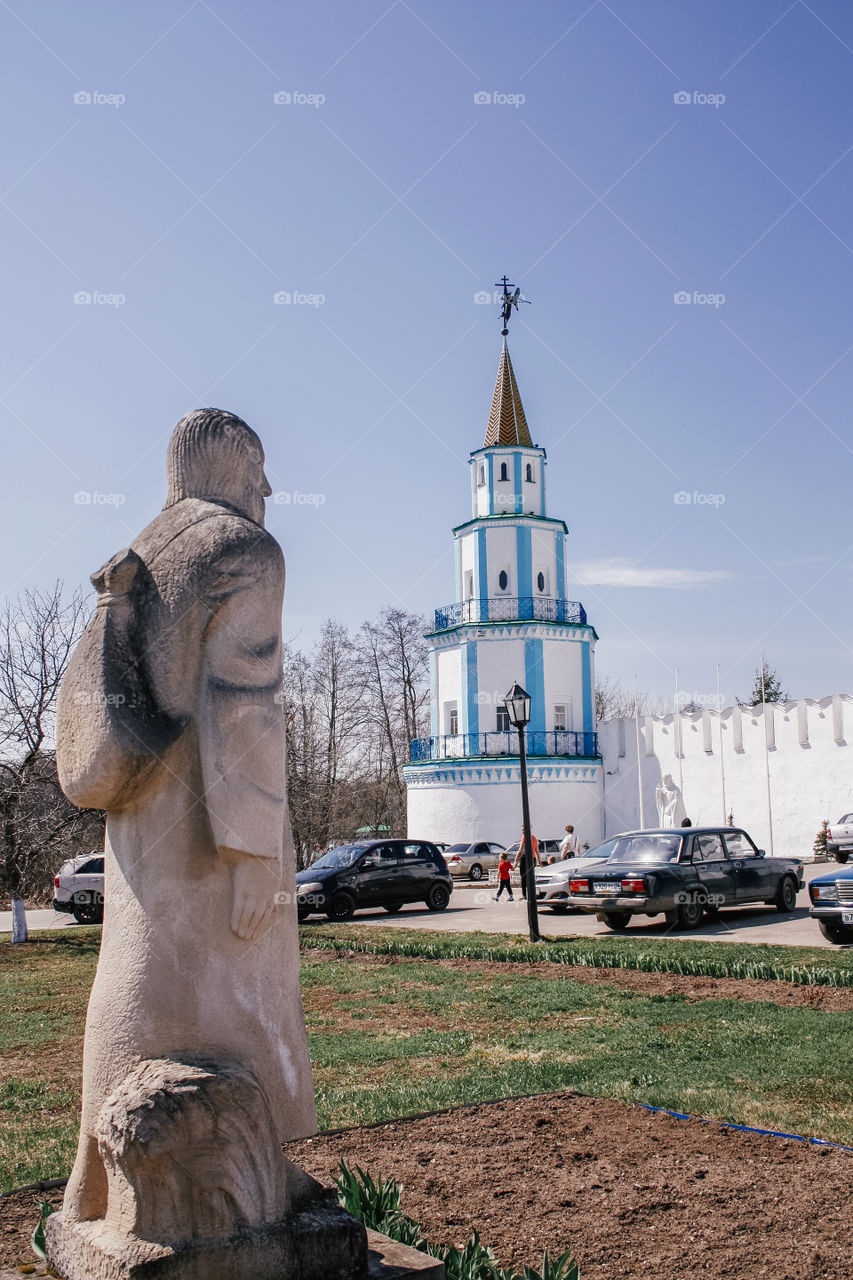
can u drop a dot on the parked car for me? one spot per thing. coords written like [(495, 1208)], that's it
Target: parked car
[(832, 905), (549, 849), (376, 873), (78, 888), (472, 859), (552, 880), (684, 874), (839, 838)]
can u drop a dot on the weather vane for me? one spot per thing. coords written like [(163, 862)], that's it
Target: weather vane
[(509, 301)]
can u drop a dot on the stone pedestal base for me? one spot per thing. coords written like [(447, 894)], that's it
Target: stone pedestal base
[(319, 1242)]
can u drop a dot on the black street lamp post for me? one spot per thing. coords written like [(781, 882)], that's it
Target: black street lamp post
[(518, 709)]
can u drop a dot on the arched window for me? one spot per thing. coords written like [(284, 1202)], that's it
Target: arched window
[(481, 475), (530, 473), (503, 579), (540, 581), (504, 473)]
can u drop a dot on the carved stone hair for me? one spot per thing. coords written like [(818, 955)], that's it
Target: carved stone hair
[(207, 456)]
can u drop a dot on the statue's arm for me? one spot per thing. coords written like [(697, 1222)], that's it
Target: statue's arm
[(241, 726)]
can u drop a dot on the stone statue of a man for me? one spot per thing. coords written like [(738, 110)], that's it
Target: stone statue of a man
[(670, 805), (195, 1060)]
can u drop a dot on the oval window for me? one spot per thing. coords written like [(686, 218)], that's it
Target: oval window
[(540, 582), (503, 580)]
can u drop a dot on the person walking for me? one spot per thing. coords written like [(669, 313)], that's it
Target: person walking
[(569, 845), (504, 874), (521, 859)]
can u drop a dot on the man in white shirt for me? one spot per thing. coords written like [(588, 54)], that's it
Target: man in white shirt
[(570, 845)]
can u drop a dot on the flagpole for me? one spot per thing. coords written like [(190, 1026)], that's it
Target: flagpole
[(766, 757), (639, 758), (722, 762)]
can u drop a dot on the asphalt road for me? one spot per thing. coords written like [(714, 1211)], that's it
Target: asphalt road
[(472, 908)]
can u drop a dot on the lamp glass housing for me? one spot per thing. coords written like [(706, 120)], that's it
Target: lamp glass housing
[(517, 703)]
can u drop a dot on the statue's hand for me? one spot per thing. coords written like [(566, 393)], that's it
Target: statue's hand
[(253, 895)]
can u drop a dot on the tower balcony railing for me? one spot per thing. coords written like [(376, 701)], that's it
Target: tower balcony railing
[(463, 746), (510, 609)]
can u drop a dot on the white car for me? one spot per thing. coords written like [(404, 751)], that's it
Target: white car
[(839, 838), (552, 880), (78, 887)]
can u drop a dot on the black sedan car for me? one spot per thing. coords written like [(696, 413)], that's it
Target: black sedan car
[(832, 905), (376, 873), (684, 874)]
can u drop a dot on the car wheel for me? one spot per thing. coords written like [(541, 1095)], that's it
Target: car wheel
[(614, 919), (842, 857), (690, 914), (88, 913), (786, 898), (342, 907), (393, 907), (302, 914), (842, 934), (476, 872), (437, 898)]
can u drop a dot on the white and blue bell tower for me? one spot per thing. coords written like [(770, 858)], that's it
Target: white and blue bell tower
[(511, 620)]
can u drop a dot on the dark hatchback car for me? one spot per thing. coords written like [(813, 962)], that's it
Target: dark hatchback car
[(684, 874), (832, 905), (378, 873)]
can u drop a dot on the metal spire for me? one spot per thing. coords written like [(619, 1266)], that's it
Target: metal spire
[(509, 301)]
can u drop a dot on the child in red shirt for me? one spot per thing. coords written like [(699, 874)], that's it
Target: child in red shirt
[(504, 871)]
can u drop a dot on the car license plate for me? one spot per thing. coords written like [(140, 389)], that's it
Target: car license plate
[(847, 917), (605, 886)]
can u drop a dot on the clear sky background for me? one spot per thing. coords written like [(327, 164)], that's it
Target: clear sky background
[(383, 197)]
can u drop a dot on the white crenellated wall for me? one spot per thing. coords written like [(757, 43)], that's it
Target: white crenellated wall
[(811, 768)]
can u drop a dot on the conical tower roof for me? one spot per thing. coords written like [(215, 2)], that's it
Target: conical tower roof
[(507, 423)]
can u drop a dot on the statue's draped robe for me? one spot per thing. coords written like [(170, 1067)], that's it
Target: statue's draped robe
[(172, 979)]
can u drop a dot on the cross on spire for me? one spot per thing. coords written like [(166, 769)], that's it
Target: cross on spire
[(509, 300)]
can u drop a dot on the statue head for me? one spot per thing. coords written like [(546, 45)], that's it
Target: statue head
[(667, 780), (214, 455)]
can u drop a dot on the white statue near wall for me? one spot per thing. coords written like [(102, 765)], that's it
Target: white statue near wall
[(671, 811)]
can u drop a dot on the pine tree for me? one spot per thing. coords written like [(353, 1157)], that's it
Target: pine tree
[(819, 845), (772, 692)]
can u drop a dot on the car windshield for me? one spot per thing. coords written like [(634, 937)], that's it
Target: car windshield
[(344, 856), (457, 848), (601, 851), (646, 848), (848, 817)]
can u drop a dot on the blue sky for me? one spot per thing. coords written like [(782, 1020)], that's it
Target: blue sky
[(382, 197)]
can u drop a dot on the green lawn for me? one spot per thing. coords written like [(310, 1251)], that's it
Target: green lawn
[(394, 1039)]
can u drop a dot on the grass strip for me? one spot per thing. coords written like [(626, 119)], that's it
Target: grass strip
[(802, 966)]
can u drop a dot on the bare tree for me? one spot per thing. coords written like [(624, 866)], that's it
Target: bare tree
[(38, 632), (613, 701)]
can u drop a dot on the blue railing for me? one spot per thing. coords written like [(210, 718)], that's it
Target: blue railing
[(510, 609), (460, 746)]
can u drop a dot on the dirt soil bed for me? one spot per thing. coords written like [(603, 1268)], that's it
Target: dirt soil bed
[(634, 1193), (832, 999)]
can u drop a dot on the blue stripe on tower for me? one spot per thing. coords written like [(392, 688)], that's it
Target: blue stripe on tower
[(534, 682), (561, 566), (482, 566), (469, 654), (586, 681), (524, 561), (460, 585), (491, 485), (516, 483), (433, 693)]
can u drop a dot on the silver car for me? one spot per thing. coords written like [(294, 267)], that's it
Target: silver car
[(552, 880), (472, 860)]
